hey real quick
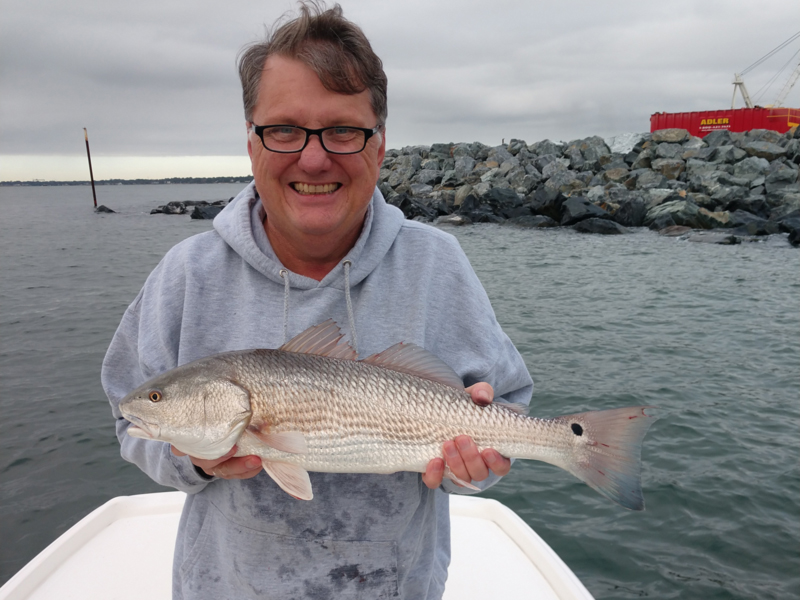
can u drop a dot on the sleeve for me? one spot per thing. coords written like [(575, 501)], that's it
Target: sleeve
[(144, 345), (479, 345)]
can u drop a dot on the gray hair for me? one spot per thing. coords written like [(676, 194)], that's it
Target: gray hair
[(333, 47)]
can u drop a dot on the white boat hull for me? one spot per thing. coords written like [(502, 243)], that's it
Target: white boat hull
[(139, 532)]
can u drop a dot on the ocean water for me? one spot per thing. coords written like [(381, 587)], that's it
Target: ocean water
[(708, 334)]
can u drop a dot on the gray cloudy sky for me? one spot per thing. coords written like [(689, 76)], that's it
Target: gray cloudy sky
[(155, 82)]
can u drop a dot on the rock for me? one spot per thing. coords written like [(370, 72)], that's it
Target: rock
[(792, 227), (598, 225), (546, 202), (578, 208), (668, 167), (464, 166), (746, 223), (681, 212), (616, 175), (670, 135), (206, 212), (643, 160), (669, 150), (420, 190), (564, 181), (674, 230), (427, 176), (546, 147), (713, 237), (751, 168), (532, 221), (720, 137), (728, 154), (650, 180), (462, 192), (624, 143), (764, 150), (713, 220), (631, 212), (104, 209), (457, 220)]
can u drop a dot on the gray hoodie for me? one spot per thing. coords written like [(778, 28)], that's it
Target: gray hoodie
[(362, 536)]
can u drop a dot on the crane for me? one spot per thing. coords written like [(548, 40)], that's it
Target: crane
[(787, 87), (738, 83)]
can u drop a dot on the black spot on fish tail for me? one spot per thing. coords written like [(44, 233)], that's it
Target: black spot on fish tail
[(577, 429)]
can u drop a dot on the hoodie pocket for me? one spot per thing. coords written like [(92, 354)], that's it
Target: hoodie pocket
[(231, 561)]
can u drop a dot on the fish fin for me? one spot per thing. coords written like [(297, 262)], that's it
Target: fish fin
[(292, 479), (457, 480), (325, 339), (610, 462), (293, 442), (413, 360)]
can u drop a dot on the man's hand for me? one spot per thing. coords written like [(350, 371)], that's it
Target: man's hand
[(227, 467), (462, 454)]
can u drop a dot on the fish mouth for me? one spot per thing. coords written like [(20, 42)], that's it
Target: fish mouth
[(140, 428)]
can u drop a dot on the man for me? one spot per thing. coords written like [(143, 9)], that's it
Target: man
[(312, 239)]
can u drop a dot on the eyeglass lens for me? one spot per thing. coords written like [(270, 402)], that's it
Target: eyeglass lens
[(335, 139)]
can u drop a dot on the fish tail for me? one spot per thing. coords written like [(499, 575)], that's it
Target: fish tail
[(609, 457)]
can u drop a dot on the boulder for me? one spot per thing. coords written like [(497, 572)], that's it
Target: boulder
[(751, 168), (578, 208), (764, 150), (720, 137), (713, 220), (532, 221), (546, 202), (670, 168), (713, 237), (457, 220), (674, 231), (681, 212), (675, 136), (669, 150), (206, 212), (601, 226), (104, 209), (631, 211)]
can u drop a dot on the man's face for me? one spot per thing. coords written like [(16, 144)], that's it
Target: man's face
[(312, 193)]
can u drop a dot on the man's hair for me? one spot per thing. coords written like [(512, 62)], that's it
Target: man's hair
[(333, 47)]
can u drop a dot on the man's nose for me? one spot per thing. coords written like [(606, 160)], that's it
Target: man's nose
[(314, 157)]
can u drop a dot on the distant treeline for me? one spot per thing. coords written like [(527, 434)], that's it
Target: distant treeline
[(244, 179)]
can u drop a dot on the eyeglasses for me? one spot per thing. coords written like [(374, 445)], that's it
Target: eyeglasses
[(287, 139)]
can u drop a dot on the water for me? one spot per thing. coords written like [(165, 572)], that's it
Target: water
[(709, 334)]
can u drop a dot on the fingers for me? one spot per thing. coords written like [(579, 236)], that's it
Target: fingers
[(228, 466), (240, 467), (482, 393), (468, 463), (432, 477)]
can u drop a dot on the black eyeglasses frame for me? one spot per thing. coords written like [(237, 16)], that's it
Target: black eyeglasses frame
[(368, 133)]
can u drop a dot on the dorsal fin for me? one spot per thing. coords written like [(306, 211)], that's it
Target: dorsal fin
[(413, 360), (325, 339)]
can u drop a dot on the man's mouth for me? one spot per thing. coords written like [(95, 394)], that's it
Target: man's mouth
[(309, 189)]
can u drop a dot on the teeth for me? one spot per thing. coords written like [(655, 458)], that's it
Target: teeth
[(305, 188)]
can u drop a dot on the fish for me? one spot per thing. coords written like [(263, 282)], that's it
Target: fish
[(312, 405)]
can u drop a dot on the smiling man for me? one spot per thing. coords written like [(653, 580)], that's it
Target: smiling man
[(309, 240)]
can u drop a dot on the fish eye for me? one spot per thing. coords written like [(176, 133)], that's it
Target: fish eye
[(155, 396), (577, 429)]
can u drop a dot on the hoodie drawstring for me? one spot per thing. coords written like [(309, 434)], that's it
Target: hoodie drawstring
[(284, 273), (285, 276), (347, 264)]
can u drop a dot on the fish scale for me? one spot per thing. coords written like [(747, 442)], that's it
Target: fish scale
[(311, 406)]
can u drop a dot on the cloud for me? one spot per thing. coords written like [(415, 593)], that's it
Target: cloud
[(158, 78)]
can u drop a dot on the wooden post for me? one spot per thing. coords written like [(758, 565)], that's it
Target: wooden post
[(89, 156)]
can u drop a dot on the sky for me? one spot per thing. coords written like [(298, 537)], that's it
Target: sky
[(155, 81)]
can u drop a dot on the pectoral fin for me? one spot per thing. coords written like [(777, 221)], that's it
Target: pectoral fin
[(293, 442), (292, 479)]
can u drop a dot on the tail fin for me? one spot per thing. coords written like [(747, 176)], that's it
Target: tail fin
[(610, 460)]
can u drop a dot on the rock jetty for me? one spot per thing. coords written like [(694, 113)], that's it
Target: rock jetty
[(198, 209), (744, 184)]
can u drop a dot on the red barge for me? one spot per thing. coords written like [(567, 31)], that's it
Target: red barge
[(704, 122)]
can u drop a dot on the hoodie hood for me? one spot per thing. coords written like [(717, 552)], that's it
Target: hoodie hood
[(240, 224)]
